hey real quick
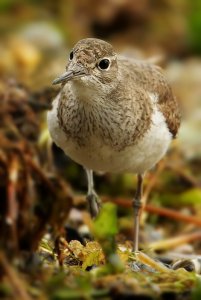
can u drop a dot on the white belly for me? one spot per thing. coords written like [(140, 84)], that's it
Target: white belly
[(137, 158)]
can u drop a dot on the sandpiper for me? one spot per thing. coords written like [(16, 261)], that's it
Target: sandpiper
[(113, 114)]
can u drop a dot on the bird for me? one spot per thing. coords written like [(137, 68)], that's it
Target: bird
[(113, 114)]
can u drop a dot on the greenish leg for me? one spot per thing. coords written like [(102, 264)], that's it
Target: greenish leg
[(93, 200), (137, 204)]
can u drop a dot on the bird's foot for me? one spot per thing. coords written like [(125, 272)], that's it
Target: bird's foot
[(144, 261), (94, 204)]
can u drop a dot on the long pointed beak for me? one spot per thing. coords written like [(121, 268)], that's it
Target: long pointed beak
[(69, 75), (63, 78)]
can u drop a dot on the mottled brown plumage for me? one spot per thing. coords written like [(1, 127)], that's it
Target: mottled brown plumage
[(113, 114)]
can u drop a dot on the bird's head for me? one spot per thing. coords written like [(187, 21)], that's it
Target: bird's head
[(92, 63)]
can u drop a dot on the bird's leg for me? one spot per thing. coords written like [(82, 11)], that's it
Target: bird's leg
[(137, 204), (93, 200)]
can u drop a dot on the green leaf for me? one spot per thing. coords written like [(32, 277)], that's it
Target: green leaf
[(67, 294), (92, 259), (192, 196), (105, 225), (196, 294), (105, 228)]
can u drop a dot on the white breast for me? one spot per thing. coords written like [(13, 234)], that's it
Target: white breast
[(136, 158), (57, 135)]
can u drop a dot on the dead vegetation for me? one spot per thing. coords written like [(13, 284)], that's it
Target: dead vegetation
[(32, 197), (49, 246)]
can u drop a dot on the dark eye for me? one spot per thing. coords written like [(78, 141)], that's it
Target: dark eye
[(104, 64), (71, 55)]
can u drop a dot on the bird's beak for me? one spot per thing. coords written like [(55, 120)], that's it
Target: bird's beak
[(69, 75)]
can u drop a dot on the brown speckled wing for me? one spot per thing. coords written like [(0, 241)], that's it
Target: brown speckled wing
[(170, 109), (167, 103), (153, 81)]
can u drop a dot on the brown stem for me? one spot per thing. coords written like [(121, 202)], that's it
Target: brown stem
[(12, 211), (172, 214), (12, 203)]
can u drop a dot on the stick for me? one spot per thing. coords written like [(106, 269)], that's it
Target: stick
[(170, 213), (175, 241), (147, 260)]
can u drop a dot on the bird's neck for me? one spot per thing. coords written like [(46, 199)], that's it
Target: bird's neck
[(86, 93)]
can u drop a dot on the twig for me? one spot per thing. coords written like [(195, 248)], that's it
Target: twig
[(176, 241), (59, 247), (173, 214), (12, 197), (12, 203), (147, 260), (169, 213)]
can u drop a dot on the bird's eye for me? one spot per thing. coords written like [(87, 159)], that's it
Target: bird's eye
[(71, 55), (104, 64)]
